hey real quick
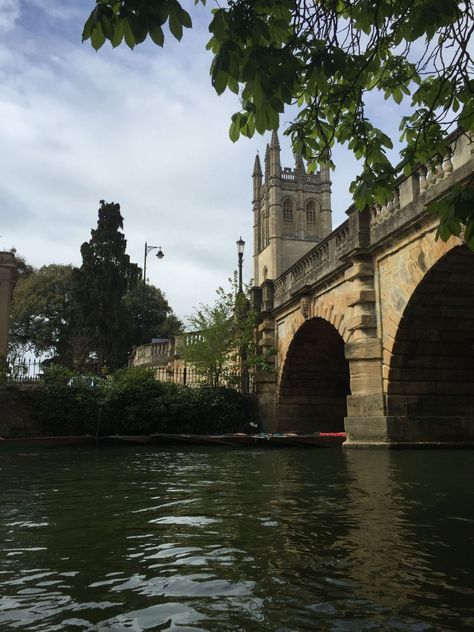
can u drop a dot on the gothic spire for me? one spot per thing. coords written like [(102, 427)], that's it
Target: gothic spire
[(267, 163), (257, 169), (299, 164), (275, 167), (275, 144)]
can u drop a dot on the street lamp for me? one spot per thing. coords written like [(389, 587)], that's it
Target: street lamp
[(241, 305), (160, 254), (240, 252)]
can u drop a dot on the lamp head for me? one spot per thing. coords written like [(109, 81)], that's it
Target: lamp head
[(240, 246), (160, 254)]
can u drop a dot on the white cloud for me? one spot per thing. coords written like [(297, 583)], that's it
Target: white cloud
[(9, 14), (144, 129)]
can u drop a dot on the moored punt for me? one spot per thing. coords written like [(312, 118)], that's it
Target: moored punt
[(45, 442), (316, 440), (126, 439), (238, 439), (189, 439)]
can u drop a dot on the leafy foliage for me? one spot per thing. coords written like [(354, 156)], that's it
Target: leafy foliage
[(60, 409), (456, 212), (132, 402), (325, 57), (224, 338), (150, 307), (23, 268), (84, 317), (43, 315)]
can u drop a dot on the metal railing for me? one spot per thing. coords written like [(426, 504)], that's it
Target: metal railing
[(30, 372), (188, 376), (22, 372)]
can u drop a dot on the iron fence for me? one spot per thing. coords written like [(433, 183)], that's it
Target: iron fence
[(31, 372), (22, 372), (188, 376)]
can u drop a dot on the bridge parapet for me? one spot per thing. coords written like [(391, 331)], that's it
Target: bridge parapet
[(414, 192), (363, 231), (153, 354), (324, 259)]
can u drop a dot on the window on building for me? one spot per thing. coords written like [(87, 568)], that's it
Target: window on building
[(287, 211), (311, 216)]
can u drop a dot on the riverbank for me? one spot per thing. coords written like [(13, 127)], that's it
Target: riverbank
[(131, 402), (261, 440)]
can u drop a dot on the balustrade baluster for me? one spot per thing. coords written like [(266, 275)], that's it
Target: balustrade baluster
[(447, 164), (423, 179)]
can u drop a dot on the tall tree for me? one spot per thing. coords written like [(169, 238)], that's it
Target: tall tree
[(100, 284), (151, 310), (43, 319), (325, 57)]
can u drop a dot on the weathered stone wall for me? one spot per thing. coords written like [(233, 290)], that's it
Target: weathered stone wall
[(403, 305)]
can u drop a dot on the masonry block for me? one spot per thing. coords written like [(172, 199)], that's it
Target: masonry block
[(359, 269), (411, 431), (362, 321), (360, 296), (365, 405), (370, 348)]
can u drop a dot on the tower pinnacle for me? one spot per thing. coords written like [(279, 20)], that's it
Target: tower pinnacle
[(275, 144), (299, 164), (257, 169)]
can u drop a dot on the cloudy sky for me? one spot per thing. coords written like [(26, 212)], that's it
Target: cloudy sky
[(142, 128)]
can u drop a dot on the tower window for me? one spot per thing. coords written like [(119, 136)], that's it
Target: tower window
[(311, 216), (288, 211)]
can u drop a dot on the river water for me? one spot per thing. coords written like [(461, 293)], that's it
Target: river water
[(246, 539)]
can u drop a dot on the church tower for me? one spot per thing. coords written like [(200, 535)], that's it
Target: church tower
[(292, 212)]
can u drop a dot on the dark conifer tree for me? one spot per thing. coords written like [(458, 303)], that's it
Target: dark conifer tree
[(105, 276)]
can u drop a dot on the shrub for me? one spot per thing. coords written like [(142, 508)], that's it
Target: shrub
[(132, 401), (61, 409), (57, 374), (135, 402)]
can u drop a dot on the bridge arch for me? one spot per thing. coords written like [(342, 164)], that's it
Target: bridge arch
[(431, 368), (314, 381)]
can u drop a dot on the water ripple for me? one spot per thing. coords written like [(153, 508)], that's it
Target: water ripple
[(220, 540)]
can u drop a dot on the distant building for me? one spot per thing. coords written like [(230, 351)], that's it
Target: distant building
[(292, 212)]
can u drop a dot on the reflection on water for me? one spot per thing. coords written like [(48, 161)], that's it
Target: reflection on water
[(217, 539)]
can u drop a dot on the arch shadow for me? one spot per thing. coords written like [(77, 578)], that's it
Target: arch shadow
[(315, 381), (431, 371)]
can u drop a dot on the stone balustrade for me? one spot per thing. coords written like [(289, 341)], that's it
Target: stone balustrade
[(159, 354), (365, 230), (412, 193), (153, 354)]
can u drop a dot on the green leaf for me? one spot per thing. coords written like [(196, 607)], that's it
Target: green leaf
[(234, 130), (128, 33), (219, 81), (175, 25), (107, 27), (118, 35), (157, 35), (97, 37), (87, 31), (186, 19)]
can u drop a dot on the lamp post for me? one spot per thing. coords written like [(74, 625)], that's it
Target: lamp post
[(241, 305), (160, 254), (240, 252)]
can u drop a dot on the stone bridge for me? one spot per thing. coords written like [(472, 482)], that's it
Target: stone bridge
[(374, 326)]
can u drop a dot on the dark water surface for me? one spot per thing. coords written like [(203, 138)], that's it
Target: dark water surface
[(217, 539)]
